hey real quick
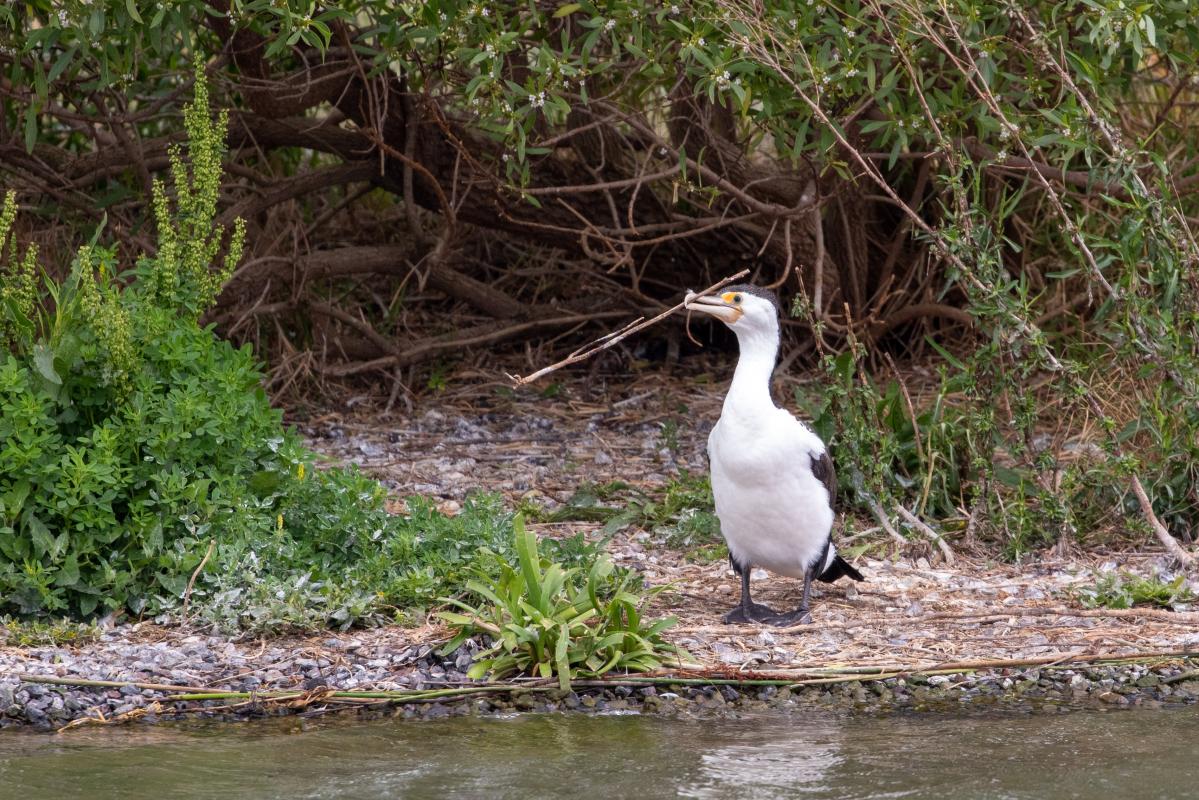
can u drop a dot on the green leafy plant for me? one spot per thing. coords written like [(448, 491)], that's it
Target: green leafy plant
[(682, 516), (136, 446), (545, 619), (1124, 590), (885, 446)]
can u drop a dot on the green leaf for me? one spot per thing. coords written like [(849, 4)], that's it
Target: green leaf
[(526, 551), (560, 657), (68, 573), (131, 7), (43, 360), (14, 499), (30, 127), (40, 535), (567, 10)]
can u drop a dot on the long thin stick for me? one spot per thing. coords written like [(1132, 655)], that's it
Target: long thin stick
[(609, 339), (187, 593)]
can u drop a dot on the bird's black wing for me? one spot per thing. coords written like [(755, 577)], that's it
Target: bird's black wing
[(822, 468)]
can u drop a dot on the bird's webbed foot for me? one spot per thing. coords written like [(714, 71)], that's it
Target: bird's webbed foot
[(746, 615), (800, 616)]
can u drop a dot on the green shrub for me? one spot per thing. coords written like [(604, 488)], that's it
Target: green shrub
[(136, 446), (884, 445), (129, 434)]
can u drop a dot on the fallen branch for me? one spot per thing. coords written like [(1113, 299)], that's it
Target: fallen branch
[(916, 523), (1172, 546), (881, 516), (610, 339)]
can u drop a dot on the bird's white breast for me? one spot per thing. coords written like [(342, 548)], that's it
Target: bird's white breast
[(773, 511)]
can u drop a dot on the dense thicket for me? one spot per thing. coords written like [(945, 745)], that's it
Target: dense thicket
[(1007, 187)]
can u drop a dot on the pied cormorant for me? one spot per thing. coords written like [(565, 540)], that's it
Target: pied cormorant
[(772, 477)]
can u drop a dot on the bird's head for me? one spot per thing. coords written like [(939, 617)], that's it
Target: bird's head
[(744, 308)]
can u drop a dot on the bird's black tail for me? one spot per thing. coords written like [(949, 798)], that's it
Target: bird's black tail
[(840, 568)]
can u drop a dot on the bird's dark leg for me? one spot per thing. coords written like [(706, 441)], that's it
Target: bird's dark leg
[(801, 615), (748, 611)]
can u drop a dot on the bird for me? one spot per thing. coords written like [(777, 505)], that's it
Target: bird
[(772, 477)]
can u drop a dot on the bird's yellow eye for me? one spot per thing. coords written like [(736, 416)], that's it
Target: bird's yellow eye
[(736, 298)]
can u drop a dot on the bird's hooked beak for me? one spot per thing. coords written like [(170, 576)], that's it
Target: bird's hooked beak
[(720, 306)]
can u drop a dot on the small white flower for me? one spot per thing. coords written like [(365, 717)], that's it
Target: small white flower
[(674, 9), (1001, 155), (610, 24), (851, 33), (901, 123), (486, 12), (792, 22), (662, 152), (505, 157), (849, 73), (701, 42)]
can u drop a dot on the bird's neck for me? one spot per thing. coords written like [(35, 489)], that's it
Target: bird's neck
[(749, 393)]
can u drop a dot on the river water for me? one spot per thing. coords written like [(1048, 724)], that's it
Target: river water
[(1127, 754)]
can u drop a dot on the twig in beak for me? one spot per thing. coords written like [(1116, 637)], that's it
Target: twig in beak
[(609, 339)]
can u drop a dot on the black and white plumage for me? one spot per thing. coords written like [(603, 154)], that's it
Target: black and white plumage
[(772, 478)]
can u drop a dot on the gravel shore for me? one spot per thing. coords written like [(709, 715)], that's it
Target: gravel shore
[(379, 660), (909, 612)]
